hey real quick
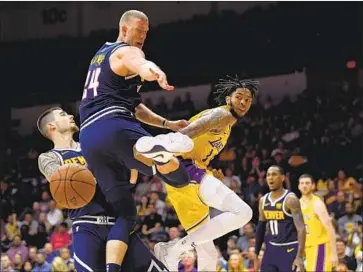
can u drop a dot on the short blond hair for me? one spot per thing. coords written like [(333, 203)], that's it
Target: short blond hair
[(133, 14)]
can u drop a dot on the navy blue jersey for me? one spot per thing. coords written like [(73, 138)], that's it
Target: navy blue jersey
[(280, 224), (98, 205), (106, 92)]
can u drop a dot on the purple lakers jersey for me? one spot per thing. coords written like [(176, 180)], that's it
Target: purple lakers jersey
[(280, 224), (98, 205), (106, 92)]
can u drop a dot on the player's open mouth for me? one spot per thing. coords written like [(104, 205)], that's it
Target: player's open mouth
[(139, 44)]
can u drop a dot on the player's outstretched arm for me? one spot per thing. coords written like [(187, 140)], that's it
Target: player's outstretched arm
[(217, 118), (147, 116), (321, 211), (48, 163), (293, 204)]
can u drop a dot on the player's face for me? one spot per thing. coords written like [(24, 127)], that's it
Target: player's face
[(64, 122), (240, 101), (274, 178), (135, 32), (306, 187)]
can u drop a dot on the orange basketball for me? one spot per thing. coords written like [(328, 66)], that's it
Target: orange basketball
[(72, 186)]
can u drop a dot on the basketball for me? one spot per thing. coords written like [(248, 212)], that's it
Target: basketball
[(72, 186)]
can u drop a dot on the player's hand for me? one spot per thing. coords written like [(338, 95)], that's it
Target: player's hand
[(160, 77), (298, 264), (334, 259), (218, 174), (254, 257), (177, 125)]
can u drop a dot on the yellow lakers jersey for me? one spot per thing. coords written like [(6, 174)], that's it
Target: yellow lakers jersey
[(316, 233), (207, 145)]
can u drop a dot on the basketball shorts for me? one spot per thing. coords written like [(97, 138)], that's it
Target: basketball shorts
[(318, 258)]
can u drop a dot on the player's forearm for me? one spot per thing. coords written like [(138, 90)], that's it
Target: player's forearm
[(147, 116), (215, 119), (260, 235), (332, 238), (301, 237)]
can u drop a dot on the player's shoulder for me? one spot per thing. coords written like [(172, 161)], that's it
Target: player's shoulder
[(122, 51)]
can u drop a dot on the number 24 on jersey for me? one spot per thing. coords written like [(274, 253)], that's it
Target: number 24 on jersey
[(91, 82)]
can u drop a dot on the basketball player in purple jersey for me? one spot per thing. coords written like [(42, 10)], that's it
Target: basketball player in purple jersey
[(285, 239), (93, 224), (111, 133)]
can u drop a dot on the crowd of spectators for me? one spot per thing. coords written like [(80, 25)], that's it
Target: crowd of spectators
[(312, 134)]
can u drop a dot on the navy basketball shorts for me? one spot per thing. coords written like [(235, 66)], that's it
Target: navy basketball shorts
[(278, 258), (108, 147)]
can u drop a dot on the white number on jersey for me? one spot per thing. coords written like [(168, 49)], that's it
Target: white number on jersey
[(274, 227), (91, 82)]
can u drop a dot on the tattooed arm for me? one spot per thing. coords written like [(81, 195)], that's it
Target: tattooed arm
[(293, 205), (217, 118), (48, 163)]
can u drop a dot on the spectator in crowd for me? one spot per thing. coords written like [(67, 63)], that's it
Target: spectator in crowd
[(60, 237), (17, 262), (349, 221), (41, 264), (27, 267), (188, 262), (55, 215), (6, 264), (343, 258), (59, 265), (248, 233), (152, 223), (18, 248), (12, 227), (236, 263)]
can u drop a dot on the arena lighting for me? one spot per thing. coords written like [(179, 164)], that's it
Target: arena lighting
[(351, 64)]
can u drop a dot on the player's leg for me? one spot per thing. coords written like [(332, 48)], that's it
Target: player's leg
[(161, 149), (236, 213), (139, 258), (285, 256), (318, 258), (100, 146), (207, 257), (270, 258), (89, 246)]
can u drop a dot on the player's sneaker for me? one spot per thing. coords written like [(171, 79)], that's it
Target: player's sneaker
[(164, 254), (162, 147)]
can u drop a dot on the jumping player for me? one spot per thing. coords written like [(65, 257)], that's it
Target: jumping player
[(111, 114), (320, 247), (93, 225), (210, 130), (285, 238)]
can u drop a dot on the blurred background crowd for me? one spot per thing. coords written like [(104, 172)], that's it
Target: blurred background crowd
[(317, 132)]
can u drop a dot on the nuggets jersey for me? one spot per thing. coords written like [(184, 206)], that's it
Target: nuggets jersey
[(316, 233), (98, 205), (106, 92), (207, 145), (280, 224)]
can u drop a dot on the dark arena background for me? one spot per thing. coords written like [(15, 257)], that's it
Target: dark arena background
[(307, 118)]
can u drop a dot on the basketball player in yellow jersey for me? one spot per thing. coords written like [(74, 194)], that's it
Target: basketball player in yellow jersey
[(320, 246), (210, 131)]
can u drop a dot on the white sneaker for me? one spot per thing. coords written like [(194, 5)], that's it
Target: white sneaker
[(162, 147), (163, 253)]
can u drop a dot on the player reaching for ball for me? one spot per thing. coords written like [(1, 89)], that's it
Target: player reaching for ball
[(93, 224)]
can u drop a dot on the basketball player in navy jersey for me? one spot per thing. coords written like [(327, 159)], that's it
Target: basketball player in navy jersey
[(111, 133), (285, 239), (94, 224)]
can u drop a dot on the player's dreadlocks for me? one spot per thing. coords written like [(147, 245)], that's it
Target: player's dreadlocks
[(226, 87)]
